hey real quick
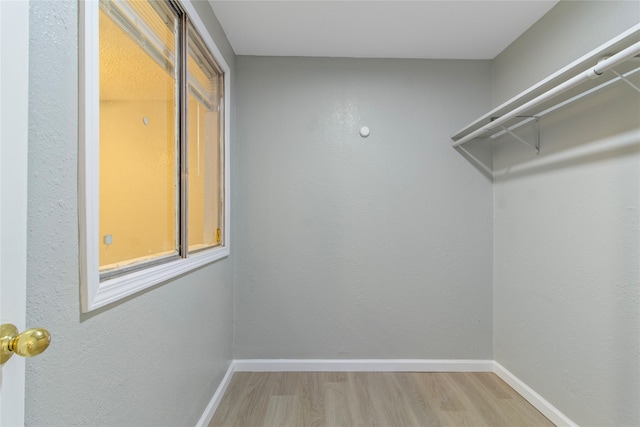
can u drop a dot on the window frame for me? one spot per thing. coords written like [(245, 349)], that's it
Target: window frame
[(94, 292)]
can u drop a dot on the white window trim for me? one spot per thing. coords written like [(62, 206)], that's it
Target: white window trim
[(95, 293)]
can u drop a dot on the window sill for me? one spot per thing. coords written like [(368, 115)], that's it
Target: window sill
[(111, 290)]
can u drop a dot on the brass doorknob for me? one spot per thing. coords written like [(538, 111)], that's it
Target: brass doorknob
[(30, 343)]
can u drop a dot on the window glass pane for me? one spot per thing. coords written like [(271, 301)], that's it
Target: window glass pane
[(204, 147), (138, 132)]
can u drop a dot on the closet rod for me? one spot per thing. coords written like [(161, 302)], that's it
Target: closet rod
[(591, 73)]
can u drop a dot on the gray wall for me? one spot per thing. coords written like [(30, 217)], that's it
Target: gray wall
[(566, 267), (360, 248), (155, 359)]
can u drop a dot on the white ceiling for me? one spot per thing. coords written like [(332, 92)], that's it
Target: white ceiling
[(376, 29)]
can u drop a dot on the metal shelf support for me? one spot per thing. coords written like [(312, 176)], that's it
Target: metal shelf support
[(626, 80), (536, 139)]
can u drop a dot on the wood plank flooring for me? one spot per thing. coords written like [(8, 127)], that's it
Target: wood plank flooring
[(385, 399)]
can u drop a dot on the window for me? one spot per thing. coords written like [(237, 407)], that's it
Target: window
[(154, 175)]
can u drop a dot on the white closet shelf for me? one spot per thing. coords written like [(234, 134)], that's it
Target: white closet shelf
[(615, 60)]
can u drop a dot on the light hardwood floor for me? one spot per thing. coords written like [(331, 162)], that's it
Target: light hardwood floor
[(385, 399)]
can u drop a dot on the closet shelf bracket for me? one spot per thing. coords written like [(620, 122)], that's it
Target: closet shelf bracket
[(626, 80), (536, 137)]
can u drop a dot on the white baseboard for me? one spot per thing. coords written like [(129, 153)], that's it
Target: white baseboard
[(384, 365), (362, 365), (207, 415), (538, 402)]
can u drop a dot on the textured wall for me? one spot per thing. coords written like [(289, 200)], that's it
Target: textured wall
[(566, 268), (155, 359), (360, 248)]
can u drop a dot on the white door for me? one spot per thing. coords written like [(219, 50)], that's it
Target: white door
[(14, 95)]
